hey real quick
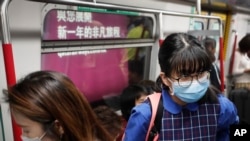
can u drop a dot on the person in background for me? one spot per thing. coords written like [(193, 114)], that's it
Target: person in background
[(139, 28), (210, 45), (48, 107), (110, 120), (150, 85), (241, 66), (131, 96), (191, 109)]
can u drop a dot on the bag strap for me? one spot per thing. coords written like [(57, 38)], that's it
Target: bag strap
[(157, 111), (159, 114)]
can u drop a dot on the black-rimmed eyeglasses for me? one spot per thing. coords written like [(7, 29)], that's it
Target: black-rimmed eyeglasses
[(186, 80)]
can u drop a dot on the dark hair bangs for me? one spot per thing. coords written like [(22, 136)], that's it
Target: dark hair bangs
[(189, 62)]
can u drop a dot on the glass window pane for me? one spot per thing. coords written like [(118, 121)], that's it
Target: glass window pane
[(198, 25), (99, 73)]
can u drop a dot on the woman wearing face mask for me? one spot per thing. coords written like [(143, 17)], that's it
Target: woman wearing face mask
[(192, 109), (48, 107)]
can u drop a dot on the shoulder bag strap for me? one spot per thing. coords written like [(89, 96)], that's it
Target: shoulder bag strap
[(154, 100)]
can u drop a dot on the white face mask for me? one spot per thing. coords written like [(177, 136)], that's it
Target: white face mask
[(24, 138)]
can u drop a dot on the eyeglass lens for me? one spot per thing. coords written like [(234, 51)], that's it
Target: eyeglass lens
[(187, 80)]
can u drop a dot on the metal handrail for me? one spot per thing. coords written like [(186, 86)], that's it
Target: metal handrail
[(5, 33), (8, 56), (198, 6), (132, 8)]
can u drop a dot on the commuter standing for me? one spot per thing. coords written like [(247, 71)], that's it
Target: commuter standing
[(191, 109), (239, 94), (210, 45), (241, 66), (131, 96)]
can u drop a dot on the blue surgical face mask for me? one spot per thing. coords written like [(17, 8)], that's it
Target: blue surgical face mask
[(192, 93), (24, 138)]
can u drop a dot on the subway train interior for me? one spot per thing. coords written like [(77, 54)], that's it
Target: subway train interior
[(100, 43)]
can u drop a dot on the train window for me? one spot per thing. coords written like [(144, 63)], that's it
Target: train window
[(248, 27), (198, 25), (215, 25), (101, 50), (99, 73)]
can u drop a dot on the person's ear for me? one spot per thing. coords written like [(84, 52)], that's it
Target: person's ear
[(166, 82), (59, 127), (164, 79)]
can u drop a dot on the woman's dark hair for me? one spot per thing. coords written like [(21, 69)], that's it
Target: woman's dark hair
[(244, 44), (128, 97), (209, 42), (183, 54)]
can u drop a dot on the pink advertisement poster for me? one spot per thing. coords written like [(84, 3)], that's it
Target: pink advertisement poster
[(97, 73), (78, 25)]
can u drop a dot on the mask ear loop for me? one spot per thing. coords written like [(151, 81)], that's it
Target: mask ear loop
[(171, 92), (43, 135), (165, 81)]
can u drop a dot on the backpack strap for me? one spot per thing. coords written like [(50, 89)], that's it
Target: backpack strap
[(158, 118), (155, 122)]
